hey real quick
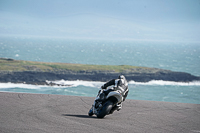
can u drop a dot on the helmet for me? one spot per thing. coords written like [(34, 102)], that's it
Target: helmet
[(121, 77)]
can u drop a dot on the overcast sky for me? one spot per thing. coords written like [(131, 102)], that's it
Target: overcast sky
[(159, 20)]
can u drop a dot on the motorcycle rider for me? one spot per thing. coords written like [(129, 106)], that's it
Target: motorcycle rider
[(119, 84)]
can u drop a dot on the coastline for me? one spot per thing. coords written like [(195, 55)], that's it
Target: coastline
[(37, 73), (40, 78)]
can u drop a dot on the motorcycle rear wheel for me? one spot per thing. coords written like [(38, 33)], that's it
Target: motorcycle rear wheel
[(105, 109)]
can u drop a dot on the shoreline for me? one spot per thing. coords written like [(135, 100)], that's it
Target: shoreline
[(29, 72), (40, 78), (151, 82)]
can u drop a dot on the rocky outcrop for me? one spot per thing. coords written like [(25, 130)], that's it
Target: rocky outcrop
[(38, 77), (17, 71)]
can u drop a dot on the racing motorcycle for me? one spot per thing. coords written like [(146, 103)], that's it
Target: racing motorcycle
[(105, 104)]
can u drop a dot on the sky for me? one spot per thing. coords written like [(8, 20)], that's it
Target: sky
[(145, 20)]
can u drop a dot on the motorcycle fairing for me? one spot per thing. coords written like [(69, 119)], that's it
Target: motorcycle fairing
[(116, 94)]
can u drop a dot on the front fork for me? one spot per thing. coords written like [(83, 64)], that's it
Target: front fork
[(97, 105)]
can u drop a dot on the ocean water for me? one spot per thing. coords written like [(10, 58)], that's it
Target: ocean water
[(183, 57)]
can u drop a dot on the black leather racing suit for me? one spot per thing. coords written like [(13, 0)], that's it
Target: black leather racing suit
[(119, 84)]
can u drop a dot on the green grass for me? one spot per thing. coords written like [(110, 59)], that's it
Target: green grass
[(20, 65)]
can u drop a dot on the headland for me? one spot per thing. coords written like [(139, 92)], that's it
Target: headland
[(30, 72)]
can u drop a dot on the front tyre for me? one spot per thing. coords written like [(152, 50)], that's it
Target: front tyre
[(90, 113), (105, 109)]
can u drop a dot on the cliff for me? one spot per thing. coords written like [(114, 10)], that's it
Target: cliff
[(17, 71)]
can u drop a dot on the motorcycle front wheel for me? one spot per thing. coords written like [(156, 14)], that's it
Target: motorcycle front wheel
[(105, 109), (90, 113)]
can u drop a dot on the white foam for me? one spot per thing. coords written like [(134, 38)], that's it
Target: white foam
[(95, 84), (20, 85), (17, 55), (162, 83), (77, 83), (98, 83)]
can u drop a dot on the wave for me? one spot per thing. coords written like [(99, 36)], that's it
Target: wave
[(58, 84), (20, 85), (169, 83), (76, 83), (94, 84), (99, 84)]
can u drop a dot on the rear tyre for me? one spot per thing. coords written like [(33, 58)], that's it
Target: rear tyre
[(105, 109)]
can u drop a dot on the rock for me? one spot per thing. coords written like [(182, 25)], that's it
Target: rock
[(39, 78)]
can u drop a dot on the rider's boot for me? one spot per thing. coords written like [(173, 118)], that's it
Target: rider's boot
[(119, 106)]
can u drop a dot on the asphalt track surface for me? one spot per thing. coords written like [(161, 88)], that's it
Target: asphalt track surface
[(43, 113)]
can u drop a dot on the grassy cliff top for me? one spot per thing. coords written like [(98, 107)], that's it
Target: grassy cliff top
[(20, 65)]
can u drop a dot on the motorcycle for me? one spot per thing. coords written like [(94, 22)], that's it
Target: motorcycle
[(105, 104)]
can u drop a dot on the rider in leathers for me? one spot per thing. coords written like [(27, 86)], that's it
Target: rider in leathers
[(120, 84)]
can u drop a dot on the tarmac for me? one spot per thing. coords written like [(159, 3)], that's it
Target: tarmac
[(43, 113)]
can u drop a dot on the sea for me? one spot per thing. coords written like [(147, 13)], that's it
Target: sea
[(175, 56)]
